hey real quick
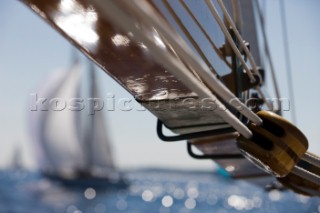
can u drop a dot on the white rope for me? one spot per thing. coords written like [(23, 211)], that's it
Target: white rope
[(239, 37), (112, 11), (244, 47), (229, 38), (236, 14)]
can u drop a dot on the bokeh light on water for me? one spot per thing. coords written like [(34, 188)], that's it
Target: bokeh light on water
[(148, 191)]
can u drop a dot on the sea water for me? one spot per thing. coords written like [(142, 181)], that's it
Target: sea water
[(148, 191)]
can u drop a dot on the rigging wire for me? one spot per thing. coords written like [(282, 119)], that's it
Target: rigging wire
[(178, 20), (218, 52), (239, 37), (268, 54), (228, 36), (242, 44), (287, 59), (188, 34), (246, 50)]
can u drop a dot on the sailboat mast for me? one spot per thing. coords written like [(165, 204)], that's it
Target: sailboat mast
[(90, 124)]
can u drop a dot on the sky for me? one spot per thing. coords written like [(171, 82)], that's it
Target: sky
[(30, 50)]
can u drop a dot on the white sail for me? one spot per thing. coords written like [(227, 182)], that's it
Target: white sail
[(37, 117), (63, 149), (60, 133)]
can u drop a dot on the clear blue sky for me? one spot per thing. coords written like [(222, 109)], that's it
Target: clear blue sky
[(30, 50)]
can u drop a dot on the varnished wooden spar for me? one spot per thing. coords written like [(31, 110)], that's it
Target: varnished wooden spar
[(128, 62)]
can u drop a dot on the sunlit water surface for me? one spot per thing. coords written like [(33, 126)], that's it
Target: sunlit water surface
[(147, 191)]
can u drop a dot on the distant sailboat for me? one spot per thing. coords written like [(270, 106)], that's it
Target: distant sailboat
[(71, 145), (17, 162)]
